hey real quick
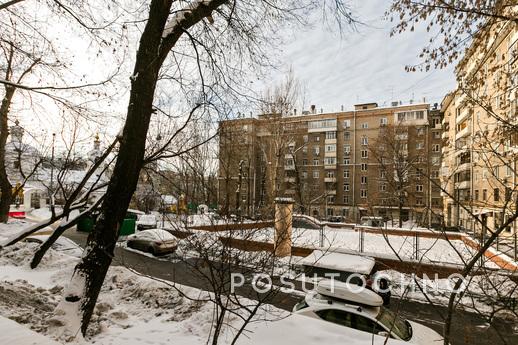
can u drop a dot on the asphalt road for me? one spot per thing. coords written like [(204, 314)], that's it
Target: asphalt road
[(468, 328)]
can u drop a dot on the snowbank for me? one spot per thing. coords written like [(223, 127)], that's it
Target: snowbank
[(14, 333)]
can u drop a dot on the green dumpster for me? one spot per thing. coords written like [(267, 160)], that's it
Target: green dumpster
[(85, 224), (128, 227)]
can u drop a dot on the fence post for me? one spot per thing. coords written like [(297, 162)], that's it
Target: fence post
[(417, 246), (361, 234)]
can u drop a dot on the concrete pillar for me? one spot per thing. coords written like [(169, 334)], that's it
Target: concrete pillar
[(283, 222)]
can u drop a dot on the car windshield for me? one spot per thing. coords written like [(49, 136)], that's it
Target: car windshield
[(395, 324)]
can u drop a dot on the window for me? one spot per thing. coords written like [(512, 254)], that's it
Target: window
[(383, 174), (330, 135), (330, 174), (365, 140), (496, 194), (347, 149), (331, 200), (330, 161), (364, 180), (365, 125), (435, 160), (304, 162), (419, 145), (317, 138), (484, 194), (347, 123), (420, 131), (316, 150), (419, 188), (346, 199), (347, 161), (435, 148), (347, 135), (363, 193), (419, 201), (365, 154), (290, 162), (331, 148), (476, 194), (437, 135), (315, 161), (305, 149), (306, 138), (419, 115), (316, 174), (304, 174), (339, 317), (435, 173), (346, 173), (364, 167), (382, 187), (383, 121), (346, 187)]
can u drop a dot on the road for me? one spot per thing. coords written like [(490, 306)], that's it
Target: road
[(467, 328)]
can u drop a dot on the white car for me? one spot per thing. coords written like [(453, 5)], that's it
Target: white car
[(62, 244), (146, 221), (359, 308)]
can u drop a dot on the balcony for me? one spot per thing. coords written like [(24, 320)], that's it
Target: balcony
[(464, 166), (330, 154), (330, 166), (330, 179), (290, 179), (463, 185), (331, 192), (289, 167), (466, 131), (463, 115), (445, 135), (330, 141)]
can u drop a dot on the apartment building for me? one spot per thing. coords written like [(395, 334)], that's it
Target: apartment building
[(480, 134), (335, 164)]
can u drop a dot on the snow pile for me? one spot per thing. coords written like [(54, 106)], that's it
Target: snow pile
[(130, 308)]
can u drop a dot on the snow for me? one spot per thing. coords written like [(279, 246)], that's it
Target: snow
[(14, 333), (339, 261), (131, 309), (298, 329)]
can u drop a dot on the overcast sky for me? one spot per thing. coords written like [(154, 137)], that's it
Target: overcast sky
[(363, 66)]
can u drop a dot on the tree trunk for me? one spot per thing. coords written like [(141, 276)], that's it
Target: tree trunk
[(5, 186), (101, 242)]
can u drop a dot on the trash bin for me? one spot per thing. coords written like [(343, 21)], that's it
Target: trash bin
[(85, 224), (127, 227)]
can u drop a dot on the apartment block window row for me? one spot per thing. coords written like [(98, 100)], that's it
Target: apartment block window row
[(331, 148), (365, 154), (363, 193), (365, 125), (322, 124), (346, 174), (347, 149), (347, 136), (410, 115), (330, 135), (364, 167), (330, 161), (365, 140), (316, 174), (364, 180)]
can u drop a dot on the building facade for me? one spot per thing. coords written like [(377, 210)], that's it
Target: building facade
[(372, 161), (480, 135)]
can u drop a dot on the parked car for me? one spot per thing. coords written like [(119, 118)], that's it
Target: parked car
[(336, 219), (62, 244), (361, 309), (146, 221), (154, 241)]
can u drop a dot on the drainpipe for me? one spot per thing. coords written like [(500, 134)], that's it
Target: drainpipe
[(353, 184)]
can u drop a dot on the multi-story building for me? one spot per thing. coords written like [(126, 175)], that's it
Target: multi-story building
[(335, 164), (480, 133)]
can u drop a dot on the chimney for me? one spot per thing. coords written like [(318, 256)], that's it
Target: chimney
[(313, 109)]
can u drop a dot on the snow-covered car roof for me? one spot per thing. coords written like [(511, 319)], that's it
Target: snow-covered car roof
[(298, 329), (62, 244), (154, 234), (339, 261)]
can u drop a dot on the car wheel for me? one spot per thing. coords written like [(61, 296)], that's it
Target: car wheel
[(151, 250)]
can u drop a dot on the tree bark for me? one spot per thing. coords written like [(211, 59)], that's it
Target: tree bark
[(101, 242), (5, 186)]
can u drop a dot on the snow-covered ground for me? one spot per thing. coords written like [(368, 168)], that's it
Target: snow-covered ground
[(131, 309)]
